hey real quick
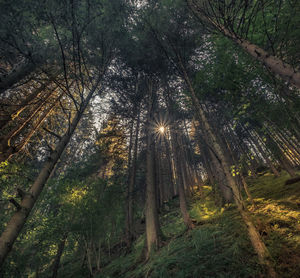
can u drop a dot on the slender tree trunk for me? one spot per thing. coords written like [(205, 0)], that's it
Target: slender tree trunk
[(132, 177), (170, 169), (171, 154), (159, 178), (264, 154), (214, 168), (17, 221), (280, 155), (242, 179), (245, 185), (151, 214), (290, 145), (285, 136), (129, 167), (238, 142), (287, 165), (209, 172), (283, 145), (59, 253), (180, 182)]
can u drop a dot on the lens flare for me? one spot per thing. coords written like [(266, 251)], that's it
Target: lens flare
[(161, 129)]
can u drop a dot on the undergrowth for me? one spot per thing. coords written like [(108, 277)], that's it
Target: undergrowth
[(219, 245), (278, 211)]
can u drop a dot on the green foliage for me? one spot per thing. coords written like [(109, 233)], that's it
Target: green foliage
[(77, 203), (217, 247), (278, 211)]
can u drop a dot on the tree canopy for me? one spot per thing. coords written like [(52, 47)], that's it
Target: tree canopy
[(115, 113)]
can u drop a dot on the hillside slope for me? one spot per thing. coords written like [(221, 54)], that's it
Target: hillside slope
[(219, 245)]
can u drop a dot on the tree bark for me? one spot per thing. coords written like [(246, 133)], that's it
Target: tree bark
[(151, 214), (280, 155), (180, 182), (214, 168), (132, 177), (274, 64), (245, 185), (128, 226), (60, 250), (160, 177), (265, 155), (170, 168)]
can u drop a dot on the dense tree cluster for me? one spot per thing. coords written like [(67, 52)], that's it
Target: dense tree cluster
[(110, 109)]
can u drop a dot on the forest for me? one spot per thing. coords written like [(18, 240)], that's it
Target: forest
[(150, 138)]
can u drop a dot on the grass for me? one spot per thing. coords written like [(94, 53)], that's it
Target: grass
[(278, 208), (219, 246)]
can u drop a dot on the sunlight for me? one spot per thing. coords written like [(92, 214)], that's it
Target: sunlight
[(161, 129)]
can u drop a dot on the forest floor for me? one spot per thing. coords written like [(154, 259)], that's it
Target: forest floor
[(219, 246)]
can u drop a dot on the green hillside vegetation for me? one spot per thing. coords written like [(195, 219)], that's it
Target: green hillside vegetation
[(218, 246)]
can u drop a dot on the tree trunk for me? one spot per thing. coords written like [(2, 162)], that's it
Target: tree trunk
[(171, 154), (159, 178), (151, 214), (60, 250), (280, 155), (132, 177), (245, 185), (265, 155), (129, 167), (180, 182), (274, 64), (214, 168), (170, 169), (17, 221)]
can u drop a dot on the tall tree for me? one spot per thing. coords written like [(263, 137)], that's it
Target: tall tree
[(234, 20), (153, 232)]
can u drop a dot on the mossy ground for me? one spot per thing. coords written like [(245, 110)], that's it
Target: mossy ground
[(219, 245), (278, 209)]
